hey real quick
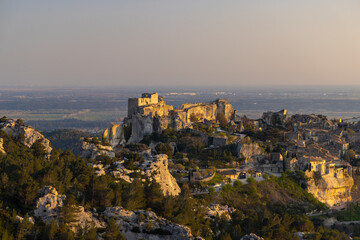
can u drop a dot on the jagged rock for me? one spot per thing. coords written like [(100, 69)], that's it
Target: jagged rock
[(92, 150), (331, 190), (48, 204), (48, 208), (157, 168), (217, 210), (99, 169), (146, 225), (114, 135), (251, 236), (140, 127), (84, 220), (21, 219), (26, 134), (150, 114), (275, 118), (251, 151), (2, 150), (121, 172)]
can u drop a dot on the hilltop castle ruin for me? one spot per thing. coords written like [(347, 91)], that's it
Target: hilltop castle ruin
[(150, 113)]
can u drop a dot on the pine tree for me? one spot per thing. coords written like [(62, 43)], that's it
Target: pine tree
[(113, 231)]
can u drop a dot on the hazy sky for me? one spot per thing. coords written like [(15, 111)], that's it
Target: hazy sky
[(103, 42)]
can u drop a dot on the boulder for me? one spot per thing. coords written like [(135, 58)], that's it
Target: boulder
[(146, 225), (251, 236), (48, 204)]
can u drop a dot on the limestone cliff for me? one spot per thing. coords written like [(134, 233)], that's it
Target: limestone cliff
[(114, 135), (157, 168), (26, 134), (251, 151), (140, 127), (92, 150), (138, 224), (2, 150), (331, 190), (48, 208), (146, 225), (48, 204)]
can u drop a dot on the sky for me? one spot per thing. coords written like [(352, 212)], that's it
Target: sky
[(179, 43)]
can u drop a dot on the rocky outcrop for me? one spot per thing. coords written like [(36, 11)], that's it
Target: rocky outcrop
[(48, 208), (27, 135), (114, 135), (140, 127), (275, 118), (331, 190), (157, 168), (48, 204), (217, 210), (83, 220), (146, 225), (251, 236), (251, 151), (2, 150), (92, 150), (151, 114)]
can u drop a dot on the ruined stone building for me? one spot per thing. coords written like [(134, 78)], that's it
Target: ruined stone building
[(150, 113)]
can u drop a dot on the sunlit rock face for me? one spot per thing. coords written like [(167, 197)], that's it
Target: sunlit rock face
[(150, 113), (2, 150), (157, 168), (48, 208), (331, 190), (48, 204), (92, 150), (146, 225), (27, 135), (114, 135)]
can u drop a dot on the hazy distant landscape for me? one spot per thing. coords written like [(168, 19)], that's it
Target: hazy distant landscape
[(96, 106)]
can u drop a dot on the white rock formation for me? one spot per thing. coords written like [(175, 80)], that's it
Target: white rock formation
[(217, 210), (157, 168), (84, 220), (99, 169), (49, 204), (251, 236), (114, 135), (331, 190), (146, 225), (27, 134), (2, 150), (48, 208), (121, 172), (140, 127), (92, 150)]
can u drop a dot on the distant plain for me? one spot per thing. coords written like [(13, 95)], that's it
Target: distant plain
[(110, 104)]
